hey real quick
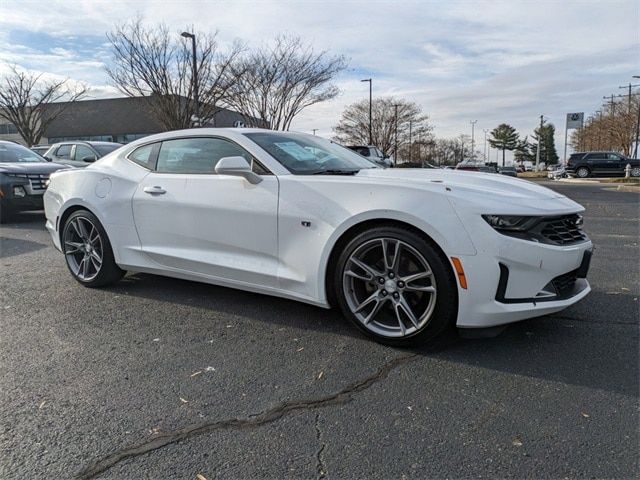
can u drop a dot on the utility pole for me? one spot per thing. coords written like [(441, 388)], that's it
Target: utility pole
[(461, 148), (630, 94), (395, 153), (314, 130), (612, 105), (539, 144), (370, 108), (196, 99), (473, 140), (599, 112)]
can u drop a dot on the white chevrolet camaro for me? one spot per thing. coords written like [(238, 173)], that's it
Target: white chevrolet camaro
[(404, 253)]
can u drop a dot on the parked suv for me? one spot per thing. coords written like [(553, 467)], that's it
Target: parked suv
[(604, 164), (372, 153), (23, 179), (79, 154)]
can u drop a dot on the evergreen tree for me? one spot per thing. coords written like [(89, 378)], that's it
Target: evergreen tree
[(504, 137), (525, 151), (545, 136)]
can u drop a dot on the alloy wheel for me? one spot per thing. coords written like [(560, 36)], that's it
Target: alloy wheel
[(389, 287), (83, 248)]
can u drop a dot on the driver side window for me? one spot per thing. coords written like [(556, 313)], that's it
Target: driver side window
[(197, 155)]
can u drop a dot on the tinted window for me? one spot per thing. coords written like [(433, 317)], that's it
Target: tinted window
[(83, 151), (64, 151), (143, 156), (364, 151), (12, 152), (613, 156), (196, 155), (104, 149), (596, 156)]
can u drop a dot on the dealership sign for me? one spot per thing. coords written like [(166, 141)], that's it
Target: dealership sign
[(575, 120)]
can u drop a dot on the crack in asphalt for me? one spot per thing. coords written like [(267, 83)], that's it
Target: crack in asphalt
[(320, 467), (267, 416)]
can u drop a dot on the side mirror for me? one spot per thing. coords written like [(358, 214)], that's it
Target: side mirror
[(89, 158), (238, 167)]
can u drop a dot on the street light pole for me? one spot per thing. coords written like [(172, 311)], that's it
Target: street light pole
[(485, 144), (370, 108), (473, 139), (410, 144), (395, 153), (196, 100), (314, 130)]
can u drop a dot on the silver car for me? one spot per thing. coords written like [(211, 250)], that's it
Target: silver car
[(79, 153)]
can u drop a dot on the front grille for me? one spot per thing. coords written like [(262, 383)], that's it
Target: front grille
[(564, 283), (562, 230), (37, 180)]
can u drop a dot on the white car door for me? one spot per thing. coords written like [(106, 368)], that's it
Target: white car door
[(190, 219)]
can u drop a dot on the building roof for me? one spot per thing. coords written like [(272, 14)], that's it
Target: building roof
[(118, 116), (105, 116)]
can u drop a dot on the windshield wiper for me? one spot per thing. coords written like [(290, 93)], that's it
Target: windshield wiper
[(336, 172)]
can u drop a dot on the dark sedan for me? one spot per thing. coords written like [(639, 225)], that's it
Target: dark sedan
[(23, 179)]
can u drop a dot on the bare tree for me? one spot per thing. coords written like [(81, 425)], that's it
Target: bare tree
[(612, 128), (276, 83), (157, 64), (413, 128), (32, 103)]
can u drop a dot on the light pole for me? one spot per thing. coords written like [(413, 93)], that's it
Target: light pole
[(370, 108), (410, 144), (395, 153), (314, 130), (485, 144), (473, 140), (196, 101), (635, 149)]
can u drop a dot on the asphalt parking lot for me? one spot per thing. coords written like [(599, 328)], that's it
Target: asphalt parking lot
[(161, 378)]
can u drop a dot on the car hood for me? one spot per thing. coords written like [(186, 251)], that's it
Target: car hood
[(485, 184), (30, 167)]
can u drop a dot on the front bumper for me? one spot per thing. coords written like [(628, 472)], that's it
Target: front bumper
[(518, 279)]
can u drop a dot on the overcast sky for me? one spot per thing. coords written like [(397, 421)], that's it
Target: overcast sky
[(494, 61)]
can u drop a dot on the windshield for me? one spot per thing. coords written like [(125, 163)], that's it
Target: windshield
[(308, 155), (103, 149), (14, 153)]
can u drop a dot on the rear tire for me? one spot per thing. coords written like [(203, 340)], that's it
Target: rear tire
[(583, 172), (88, 252), (635, 172), (395, 286)]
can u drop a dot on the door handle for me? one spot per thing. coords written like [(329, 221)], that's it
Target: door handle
[(155, 190)]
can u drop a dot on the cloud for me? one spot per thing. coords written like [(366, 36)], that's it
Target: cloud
[(494, 61)]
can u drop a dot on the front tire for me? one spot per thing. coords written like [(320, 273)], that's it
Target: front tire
[(582, 172), (395, 286), (635, 172), (88, 252)]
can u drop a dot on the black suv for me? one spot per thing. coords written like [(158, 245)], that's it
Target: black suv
[(23, 179), (601, 164)]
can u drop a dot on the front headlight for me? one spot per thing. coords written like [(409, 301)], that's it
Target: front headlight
[(512, 223)]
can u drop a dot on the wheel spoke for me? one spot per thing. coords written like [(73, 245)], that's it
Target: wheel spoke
[(426, 289), (95, 257), (371, 298), (85, 267), (96, 263), (395, 261), (370, 270), (396, 307), (75, 245), (353, 274), (404, 305), (416, 276), (82, 231), (378, 306)]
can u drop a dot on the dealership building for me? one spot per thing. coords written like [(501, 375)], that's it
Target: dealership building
[(119, 120)]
